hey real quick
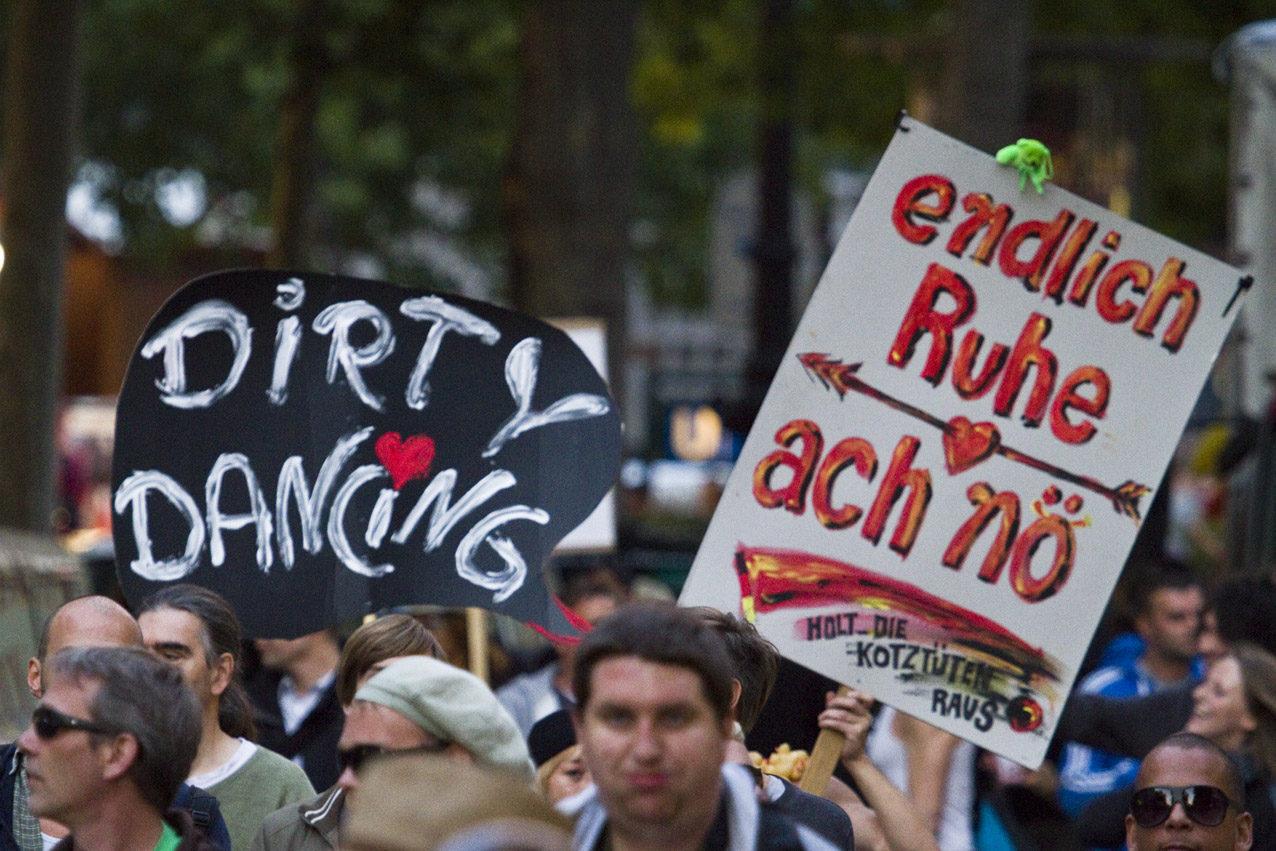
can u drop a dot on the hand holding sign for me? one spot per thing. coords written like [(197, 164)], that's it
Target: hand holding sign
[(391, 447)]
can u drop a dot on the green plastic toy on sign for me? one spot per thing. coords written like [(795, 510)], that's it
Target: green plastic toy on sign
[(1032, 159)]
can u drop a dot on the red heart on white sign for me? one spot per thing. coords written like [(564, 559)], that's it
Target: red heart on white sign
[(967, 444)]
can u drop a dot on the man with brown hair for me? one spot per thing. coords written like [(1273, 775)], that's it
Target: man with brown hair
[(754, 663), (195, 630), (1167, 603), (653, 721)]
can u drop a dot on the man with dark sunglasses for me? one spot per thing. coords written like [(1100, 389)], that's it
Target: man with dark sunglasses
[(109, 744), (414, 704), (1189, 794), (91, 621), (421, 704)]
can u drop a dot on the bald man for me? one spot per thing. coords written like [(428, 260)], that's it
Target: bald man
[(84, 622), (1190, 794)]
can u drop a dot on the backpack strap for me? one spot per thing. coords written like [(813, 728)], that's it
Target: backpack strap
[(203, 806)]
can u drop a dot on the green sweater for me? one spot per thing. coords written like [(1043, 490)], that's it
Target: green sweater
[(264, 784)]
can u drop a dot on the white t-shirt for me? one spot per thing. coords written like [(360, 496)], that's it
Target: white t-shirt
[(888, 754), (242, 754)]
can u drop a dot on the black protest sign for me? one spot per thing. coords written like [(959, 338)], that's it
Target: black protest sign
[(315, 448)]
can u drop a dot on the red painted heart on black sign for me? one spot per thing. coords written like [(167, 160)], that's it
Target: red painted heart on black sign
[(405, 459)]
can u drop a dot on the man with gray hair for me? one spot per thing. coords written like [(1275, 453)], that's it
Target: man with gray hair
[(91, 621), (108, 746)]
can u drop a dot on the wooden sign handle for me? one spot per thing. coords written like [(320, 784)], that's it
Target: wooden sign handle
[(824, 757), (476, 637)]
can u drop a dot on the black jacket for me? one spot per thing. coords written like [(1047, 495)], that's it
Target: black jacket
[(315, 740), (1129, 726), (819, 814)]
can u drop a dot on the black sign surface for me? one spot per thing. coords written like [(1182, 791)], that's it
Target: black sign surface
[(315, 448)]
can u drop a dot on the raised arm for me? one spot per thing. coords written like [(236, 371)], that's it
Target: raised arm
[(901, 823), (930, 754)]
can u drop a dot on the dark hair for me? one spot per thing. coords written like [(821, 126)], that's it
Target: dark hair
[(661, 633), (1245, 609), (384, 638), (595, 583), (221, 634), (754, 662), (1233, 775), (1152, 577), (145, 697)]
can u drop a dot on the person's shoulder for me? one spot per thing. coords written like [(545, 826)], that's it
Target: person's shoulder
[(781, 830), (820, 814), (294, 813), (282, 771), (307, 825), (812, 841), (529, 681), (191, 838), (283, 826), (1111, 681)]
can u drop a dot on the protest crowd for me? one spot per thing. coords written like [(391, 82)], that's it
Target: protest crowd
[(664, 727)]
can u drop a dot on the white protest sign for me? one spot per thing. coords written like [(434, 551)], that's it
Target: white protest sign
[(954, 459)]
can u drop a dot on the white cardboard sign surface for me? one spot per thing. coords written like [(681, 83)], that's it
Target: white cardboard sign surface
[(954, 459)]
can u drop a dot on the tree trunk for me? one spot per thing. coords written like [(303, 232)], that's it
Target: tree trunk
[(773, 249), (40, 103), (985, 86), (569, 183), (293, 186)]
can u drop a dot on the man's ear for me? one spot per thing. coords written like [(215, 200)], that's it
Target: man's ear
[(121, 752), (223, 670), (736, 689), (1244, 832), (1129, 832), (33, 678)]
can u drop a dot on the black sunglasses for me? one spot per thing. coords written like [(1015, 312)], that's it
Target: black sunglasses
[(356, 757), (1205, 805), (47, 723)]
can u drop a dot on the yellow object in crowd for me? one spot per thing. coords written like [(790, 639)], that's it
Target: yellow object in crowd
[(784, 762)]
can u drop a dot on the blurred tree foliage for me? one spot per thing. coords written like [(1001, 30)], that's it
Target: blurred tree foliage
[(412, 96), (416, 110)]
